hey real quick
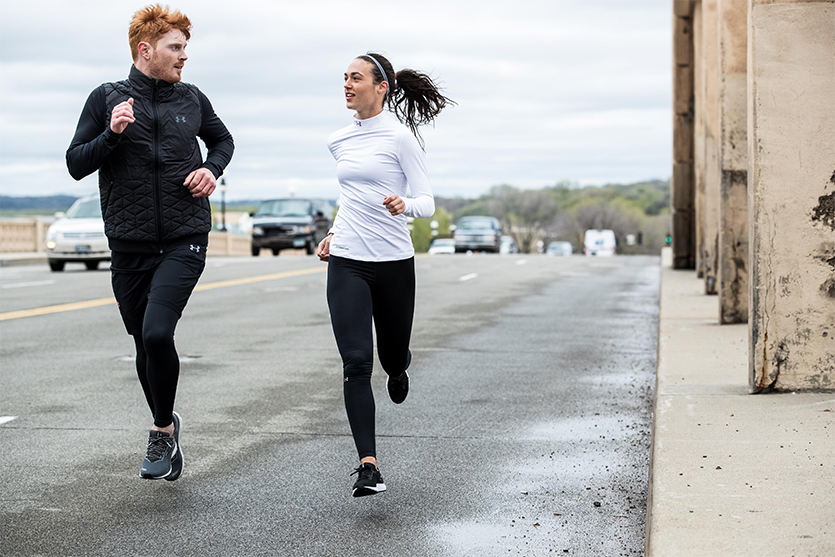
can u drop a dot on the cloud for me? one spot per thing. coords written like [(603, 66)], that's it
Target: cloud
[(546, 90)]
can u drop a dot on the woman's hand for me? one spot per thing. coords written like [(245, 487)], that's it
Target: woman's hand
[(324, 251), (394, 204)]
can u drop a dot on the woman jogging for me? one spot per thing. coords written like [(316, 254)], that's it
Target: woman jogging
[(371, 268)]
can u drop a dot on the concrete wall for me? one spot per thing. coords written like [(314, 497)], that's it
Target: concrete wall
[(733, 159), (791, 169), (711, 169)]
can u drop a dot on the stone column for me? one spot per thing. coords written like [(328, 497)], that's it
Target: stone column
[(733, 159), (791, 146), (699, 137), (684, 233), (710, 168)]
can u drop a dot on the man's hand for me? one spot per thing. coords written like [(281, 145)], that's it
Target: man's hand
[(201, 182), (394, 204), (121, 116), (324, 251)]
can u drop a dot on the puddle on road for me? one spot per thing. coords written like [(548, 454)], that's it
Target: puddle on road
[(183, 359), (475, 538), (578, 429)]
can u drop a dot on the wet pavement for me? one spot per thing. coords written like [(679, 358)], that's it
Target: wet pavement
[(526, 432)]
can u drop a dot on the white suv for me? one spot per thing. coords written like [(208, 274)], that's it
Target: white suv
[(78, 236)]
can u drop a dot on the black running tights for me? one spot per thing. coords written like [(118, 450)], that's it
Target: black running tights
[(359, 292), (157, 362)]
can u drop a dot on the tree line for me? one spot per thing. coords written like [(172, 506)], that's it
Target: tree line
[(639, 211)]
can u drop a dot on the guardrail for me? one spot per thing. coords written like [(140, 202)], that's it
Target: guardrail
[(28, 235), (19, 235)]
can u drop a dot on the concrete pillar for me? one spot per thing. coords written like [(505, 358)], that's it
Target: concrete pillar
[(682, 183), (699, 137), (733, 159), (791, 146), (711, 168)]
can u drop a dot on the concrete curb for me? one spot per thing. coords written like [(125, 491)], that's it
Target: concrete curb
[(29, 258), (731, 473)]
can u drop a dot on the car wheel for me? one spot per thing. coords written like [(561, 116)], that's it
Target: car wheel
[(56, 266), (256, 251), (310, 248), (276, 251), (91, 265)]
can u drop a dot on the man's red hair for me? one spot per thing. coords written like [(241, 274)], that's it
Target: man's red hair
[(152, 22)]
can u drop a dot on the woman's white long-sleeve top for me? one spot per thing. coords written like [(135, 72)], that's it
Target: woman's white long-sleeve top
[(375, 158)]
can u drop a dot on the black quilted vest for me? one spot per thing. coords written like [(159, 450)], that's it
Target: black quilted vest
[(141, 182)]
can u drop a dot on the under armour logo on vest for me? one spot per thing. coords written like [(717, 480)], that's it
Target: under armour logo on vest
[(194, 248), (180, 119)]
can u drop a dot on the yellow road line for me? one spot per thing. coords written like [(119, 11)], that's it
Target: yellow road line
[(199, 288)]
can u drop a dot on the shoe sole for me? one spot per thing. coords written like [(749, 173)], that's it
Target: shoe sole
[(368, 490), (177, 470)]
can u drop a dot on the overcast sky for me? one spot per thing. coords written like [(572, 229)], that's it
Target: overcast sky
[(547, 90)]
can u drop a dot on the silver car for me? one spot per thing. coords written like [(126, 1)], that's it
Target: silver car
[(78, 236)]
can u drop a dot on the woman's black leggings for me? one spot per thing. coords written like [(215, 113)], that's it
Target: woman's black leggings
[(359, 291)]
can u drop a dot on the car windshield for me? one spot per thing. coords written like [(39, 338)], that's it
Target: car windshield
[(443, 242), (284, 208), (90, 209), (476, 224)]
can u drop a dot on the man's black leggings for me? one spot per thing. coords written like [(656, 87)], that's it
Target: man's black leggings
[(359, 291), (152, 290)]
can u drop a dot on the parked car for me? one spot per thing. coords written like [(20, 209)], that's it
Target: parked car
[(600, 242), (78, 236), (559, 249), (508, 245), (478, 234), (279, 224), (442, 245)]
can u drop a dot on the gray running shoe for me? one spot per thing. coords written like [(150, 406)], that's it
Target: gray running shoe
[(398, 387), (369, 482), (178, 460), (161, 449)]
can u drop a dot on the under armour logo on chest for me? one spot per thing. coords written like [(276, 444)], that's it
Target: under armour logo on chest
[(180, 119), (194, 248)]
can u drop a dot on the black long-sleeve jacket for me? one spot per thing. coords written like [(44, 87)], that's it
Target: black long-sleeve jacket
[(141, 171)]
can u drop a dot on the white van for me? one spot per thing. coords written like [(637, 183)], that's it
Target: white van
[(599, 242)]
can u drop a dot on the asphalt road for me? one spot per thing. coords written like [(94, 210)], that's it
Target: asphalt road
[(526, 431)]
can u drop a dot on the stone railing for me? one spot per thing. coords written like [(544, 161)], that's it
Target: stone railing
[(19, 235), (24, 234)]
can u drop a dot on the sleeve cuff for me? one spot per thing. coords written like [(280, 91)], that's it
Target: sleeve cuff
[(111, 138)]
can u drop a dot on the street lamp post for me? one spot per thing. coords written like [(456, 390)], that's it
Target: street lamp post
[(223, 204)]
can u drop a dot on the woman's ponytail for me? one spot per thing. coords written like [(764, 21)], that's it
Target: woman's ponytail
[(413, 96)]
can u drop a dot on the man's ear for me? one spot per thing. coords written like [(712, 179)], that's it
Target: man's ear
[(144, 50)]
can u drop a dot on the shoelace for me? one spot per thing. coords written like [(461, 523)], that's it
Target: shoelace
[(157, 446), (365, 472)]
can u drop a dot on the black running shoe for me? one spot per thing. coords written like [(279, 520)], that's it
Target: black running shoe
[(178, 460), (398, 388), (369, 482), (161, 449)]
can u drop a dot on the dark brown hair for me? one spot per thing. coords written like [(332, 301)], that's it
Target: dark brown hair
[(413, 96)]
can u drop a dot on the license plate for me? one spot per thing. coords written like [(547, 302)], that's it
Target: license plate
[(298, 242), (82, 248)]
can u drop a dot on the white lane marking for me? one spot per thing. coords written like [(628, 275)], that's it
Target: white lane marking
[(468, 277), (521, 261), (6, 419), (25, 284)]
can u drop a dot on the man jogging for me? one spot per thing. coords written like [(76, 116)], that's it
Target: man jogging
[(141, 135)]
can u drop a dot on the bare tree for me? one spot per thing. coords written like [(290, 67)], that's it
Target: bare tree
[(523, 213)]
